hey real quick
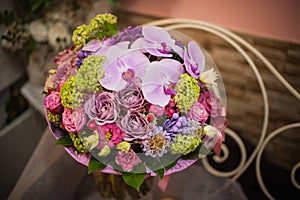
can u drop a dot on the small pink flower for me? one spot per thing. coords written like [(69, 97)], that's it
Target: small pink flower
[(127, 160), (92, 125), (52, 102), (135, 126), (113, 133), (198, 112), (73, 120)]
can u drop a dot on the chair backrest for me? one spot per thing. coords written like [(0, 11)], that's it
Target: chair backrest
[(249, 53)]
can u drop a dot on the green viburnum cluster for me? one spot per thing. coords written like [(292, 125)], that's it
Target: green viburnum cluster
[(89, 74), (69, 95), (55, 119), (184, 143), (77, 143), (187, 92), (103, 25)]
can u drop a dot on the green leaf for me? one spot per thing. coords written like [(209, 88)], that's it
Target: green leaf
[(36, 4), (134, 180), (171, 164), (160, 172), (94, 164), (194, 154), (65, 141), (169, 160)]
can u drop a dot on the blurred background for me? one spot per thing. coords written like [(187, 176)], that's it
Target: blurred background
[(34, 31)]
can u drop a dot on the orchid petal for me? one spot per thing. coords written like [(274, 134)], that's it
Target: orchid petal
[(112, 79), (157, 35), (135, 60), (152, 49), (92, 45), (196, 54), (155, 94), (194, 59), (171, 69)]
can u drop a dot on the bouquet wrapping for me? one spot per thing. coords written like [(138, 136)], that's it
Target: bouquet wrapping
[(136, 102)]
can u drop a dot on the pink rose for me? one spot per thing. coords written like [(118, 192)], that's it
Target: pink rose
[(198, 112), (73, 120), (135, 126), (131, 97), (102, 108), (127, 160), (210, 102), (113, 133), (52, 102)]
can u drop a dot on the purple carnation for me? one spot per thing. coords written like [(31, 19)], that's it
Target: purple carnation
[(129, 34), (127, 160)]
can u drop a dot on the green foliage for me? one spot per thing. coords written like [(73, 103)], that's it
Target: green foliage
[(134, 180), (94, 164), (36, 4), (65, 141)]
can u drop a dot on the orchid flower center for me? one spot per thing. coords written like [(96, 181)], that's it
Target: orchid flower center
[(169, 89), (195, 68), (163, 48), (128, 75)]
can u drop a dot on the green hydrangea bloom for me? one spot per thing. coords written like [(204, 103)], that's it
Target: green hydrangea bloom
[(81, 35), (89, 74), (77, 143), (103, 25), (187, 92), (70, 97), (184, 143), (55, 119)]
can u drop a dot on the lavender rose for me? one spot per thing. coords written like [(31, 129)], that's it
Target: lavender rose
[(73, 120), (127, 160), (52, 102), (135, 126), (198, 112), (131, 97), (102, 108)]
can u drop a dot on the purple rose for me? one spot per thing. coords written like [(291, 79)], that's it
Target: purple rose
[(73, 120), (102, 108), (127, 160), (198, 112), (52, 102), (135, 126), (131, 97)]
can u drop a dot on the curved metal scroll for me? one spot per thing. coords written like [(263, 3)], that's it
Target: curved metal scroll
[(240, 45)]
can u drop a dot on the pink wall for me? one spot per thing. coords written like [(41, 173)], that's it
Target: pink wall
[(272, 18)]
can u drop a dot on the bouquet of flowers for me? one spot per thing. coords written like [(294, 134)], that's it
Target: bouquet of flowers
[(135, 102)]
